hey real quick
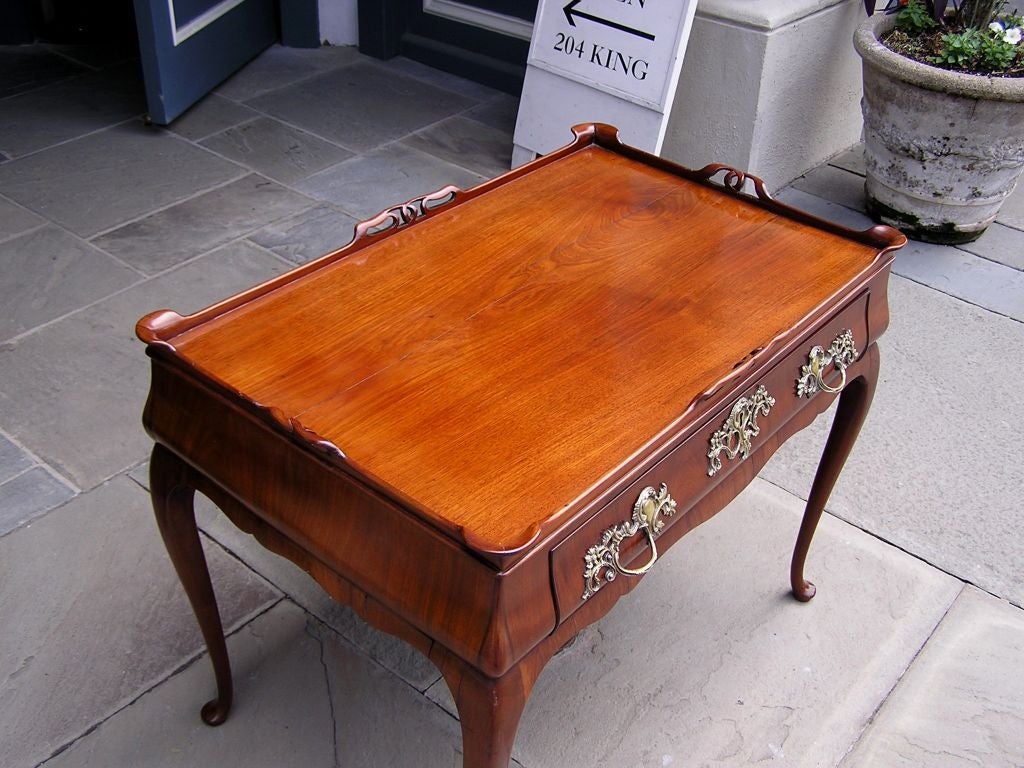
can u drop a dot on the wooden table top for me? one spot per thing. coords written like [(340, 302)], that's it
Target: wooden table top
[(498, 359)]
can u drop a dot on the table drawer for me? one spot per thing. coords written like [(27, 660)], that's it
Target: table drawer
[(621, 540)]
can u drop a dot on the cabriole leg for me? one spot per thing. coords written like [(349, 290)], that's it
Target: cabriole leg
[(175, 516), (489, 712), (853, 407)]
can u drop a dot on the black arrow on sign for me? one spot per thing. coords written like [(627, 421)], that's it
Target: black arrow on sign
[(570, 11)]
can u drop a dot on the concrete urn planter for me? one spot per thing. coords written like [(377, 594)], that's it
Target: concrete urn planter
[(942, 149)]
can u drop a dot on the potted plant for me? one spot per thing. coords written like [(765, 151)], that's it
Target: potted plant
[(943, 114)]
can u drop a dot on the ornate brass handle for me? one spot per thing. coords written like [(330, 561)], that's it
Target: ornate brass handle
[(602, 560), (840, 353), (736, 435)]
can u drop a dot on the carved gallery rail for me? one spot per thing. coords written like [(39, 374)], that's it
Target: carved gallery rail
[(530, 389)]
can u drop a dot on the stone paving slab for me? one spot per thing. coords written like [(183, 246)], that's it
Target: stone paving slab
[(934, 470), (24, 68), (93, 615), (29, 495), (99, 181), (957, 273), (1000, 243), (994, 282), (366, 185), (499, 111), (405, 68), (13, 460), (303, 697), (276, 150), (73, 392), (71, 107), (97, 57), (1012, 212), (211, 114), (370, 106), (711, 662), (824, 209), (307, 235), (959, 705), (278, 67), (467, 143), (169, 237), (48, 273), (834, 184), (14, 220), (851, 160)]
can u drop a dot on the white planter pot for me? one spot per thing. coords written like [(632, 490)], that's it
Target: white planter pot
[(942, 149)]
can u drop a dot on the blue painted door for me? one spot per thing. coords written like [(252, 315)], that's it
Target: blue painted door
[(189, 46)]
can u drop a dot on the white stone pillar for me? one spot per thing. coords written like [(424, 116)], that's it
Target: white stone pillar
[(772, 87)]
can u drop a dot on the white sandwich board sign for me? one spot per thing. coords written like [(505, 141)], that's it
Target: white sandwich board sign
[(610, 61)]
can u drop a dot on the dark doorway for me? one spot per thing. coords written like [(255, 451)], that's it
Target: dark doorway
[(69, 22), (483, 40)]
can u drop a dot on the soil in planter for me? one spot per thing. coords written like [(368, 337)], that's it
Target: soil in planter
[(925, 46)]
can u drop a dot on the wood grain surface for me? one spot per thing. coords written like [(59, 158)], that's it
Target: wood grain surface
[(496, 362)]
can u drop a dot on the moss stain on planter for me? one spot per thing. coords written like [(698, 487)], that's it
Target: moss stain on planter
[(877, 210), (945, 233)]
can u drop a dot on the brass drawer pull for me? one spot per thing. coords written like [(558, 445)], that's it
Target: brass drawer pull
[(602, 560), (840, 353), (734, 438)]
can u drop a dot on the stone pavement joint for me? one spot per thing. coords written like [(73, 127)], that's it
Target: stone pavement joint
[(198, 657), (897, 545), (888, 695), (327, 681), (959, 703)]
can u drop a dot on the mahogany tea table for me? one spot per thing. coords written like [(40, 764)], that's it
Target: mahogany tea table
[(481, 421)]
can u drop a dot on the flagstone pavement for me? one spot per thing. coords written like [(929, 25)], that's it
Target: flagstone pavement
[(912, 653)]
